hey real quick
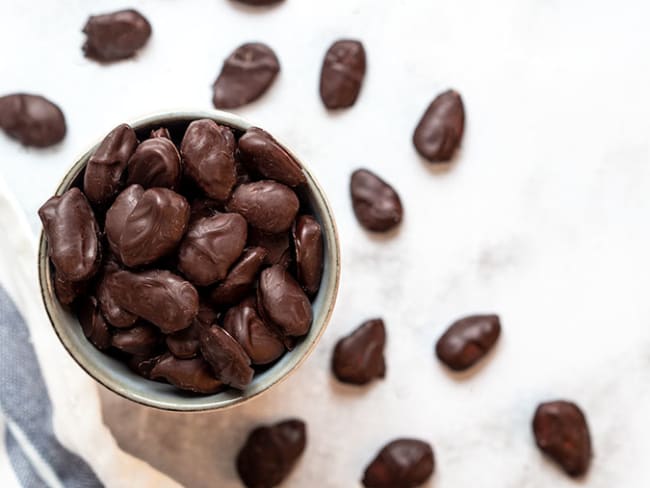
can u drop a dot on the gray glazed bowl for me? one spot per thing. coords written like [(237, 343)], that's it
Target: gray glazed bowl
[(116, 376)]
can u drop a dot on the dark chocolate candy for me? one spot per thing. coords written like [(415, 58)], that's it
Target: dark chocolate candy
[(184, 344), (139, 340), (206, 317), (32, 120), (116, 35), (117, 214), (93, 324), (402, 463), (114, 314), (72, 235), (211, 246), (468, 340), (145, 226), (208, 151), (103, 174), (308, 245), (67, 291), (155, 163), (440, 130), (344, 68), (261, 342), (376, 204), (245, 76), (266, 205), (187, 374), (240, 278), (154, 228), (359, 357), (562, 433), (264, 155), (270, 453), (228, 359), (282, 301), (278, 246), (160, 297)]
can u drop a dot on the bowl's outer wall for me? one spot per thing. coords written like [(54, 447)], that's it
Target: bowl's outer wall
[(117, 377)]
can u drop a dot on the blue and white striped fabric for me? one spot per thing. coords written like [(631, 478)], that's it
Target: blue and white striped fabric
[(51, 429)]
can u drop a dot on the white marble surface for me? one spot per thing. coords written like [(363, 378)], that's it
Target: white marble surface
[(543, 218)]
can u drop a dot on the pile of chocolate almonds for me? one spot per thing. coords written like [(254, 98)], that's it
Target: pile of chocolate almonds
[(193, 262)]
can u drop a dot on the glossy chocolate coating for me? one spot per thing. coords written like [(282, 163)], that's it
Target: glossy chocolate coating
[(206, 317), (359, 357), (151, 318), (184, 344), (228, 359), (187, 374), (266, 205), (211, 246), (402, 463), (208, 151), (240, 279), (440, 130), (114, 314), (32, 120), (155, 163), (562, 433), (117, 214), (468, 340), (139, 340), (67, 291), (116, 35), (93, 324), (344, 68), (376, 204), (278, 246), (270, 453), (260, 341), (160, 297), (72, 235), (282, 301), (245, 76), (308, 245), (264, 155), (103, 174), (154, 228)]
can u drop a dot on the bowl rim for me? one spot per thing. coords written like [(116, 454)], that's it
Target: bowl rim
[(48, 297)]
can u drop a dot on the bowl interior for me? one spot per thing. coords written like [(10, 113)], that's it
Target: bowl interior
[(115, 375)]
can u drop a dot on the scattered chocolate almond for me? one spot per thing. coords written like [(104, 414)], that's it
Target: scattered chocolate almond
[(440, 130), (359, 357), (402, 463), (468, 340), (561, 432), (270, 453)]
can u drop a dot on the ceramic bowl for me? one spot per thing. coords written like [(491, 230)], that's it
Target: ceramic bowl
[(115, 375)]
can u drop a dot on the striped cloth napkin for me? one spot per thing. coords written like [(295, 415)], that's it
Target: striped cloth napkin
[(51, 429)]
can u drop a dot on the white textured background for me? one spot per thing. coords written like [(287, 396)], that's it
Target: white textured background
[(543, 218)]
